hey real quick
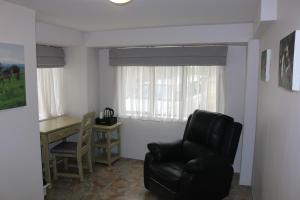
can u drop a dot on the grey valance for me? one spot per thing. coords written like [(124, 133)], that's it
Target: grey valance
[(169, 56), (49, 56)]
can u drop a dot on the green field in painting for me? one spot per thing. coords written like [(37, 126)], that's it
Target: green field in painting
[(12, 92)]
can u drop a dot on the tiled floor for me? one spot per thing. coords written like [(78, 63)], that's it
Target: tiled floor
[(122, 181)]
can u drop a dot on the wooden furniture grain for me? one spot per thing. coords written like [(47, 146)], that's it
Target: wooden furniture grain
[(53, 130), (106, 142), (77, 150)]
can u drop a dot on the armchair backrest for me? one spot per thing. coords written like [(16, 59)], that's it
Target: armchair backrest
[(217, 132), (231, 141)]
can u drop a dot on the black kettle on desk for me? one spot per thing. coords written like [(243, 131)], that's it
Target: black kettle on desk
[(108, 112), (108, 118)]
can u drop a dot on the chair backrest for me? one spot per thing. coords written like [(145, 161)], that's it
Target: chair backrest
[(85, 133), (216, 132)]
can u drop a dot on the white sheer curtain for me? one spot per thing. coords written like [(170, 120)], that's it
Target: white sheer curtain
[(50, 92), (169, 93), (203, 89)]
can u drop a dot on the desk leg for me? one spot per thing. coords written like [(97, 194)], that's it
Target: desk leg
[(46, 159), (94, 134), (119, 138), (108, 150)]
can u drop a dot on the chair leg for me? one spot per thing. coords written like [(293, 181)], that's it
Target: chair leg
[(89, 160), (54, 168), (80, 169)]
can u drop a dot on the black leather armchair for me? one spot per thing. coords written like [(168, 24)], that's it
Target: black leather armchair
[(200, 165)]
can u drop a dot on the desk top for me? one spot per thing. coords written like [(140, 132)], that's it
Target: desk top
[(107, 128), (58, 123)]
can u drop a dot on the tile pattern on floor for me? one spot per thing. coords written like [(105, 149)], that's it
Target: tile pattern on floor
[(122, 181)]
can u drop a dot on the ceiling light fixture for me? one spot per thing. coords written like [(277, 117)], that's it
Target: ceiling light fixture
[(120, 2)]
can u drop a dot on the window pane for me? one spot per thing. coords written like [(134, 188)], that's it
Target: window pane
[(168, 92), (168, 82), (135, 90), (200, 88)]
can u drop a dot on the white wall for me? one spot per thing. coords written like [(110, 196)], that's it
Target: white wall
[(107, 82), (250, 112), (277, 161), (266, 14), (75, 81), (205, 34), (58, 36), (268, 10), (92, 79), (235, 75), (20, 155), (136, 134), (81, 80)]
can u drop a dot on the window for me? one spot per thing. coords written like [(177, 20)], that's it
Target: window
[(50, 91), (170, 93)]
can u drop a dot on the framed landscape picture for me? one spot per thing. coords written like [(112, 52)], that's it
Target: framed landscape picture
[(265, 65), (12, 76), (289, 62)]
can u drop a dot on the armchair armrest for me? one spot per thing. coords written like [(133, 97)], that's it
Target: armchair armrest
[(165, 151), (206, 163)]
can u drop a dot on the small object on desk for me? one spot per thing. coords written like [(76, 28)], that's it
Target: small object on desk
[(106, 121), (108, 112), (106, 142), (108, 118)]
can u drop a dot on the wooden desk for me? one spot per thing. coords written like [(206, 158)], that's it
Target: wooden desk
[(53, 130), (106, 143)]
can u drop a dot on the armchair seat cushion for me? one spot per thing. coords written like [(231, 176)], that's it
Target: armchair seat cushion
[(168, 174), (65, 148)]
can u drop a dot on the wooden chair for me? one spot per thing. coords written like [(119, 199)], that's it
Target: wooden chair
[(77, 149)]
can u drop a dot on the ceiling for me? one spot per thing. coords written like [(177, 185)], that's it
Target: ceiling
[(97, 15)]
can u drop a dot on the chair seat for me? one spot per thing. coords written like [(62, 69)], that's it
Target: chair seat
[(168, 174), (65, 148)]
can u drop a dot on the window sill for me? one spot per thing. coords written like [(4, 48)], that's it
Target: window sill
[(41, 120), (163, 120)]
